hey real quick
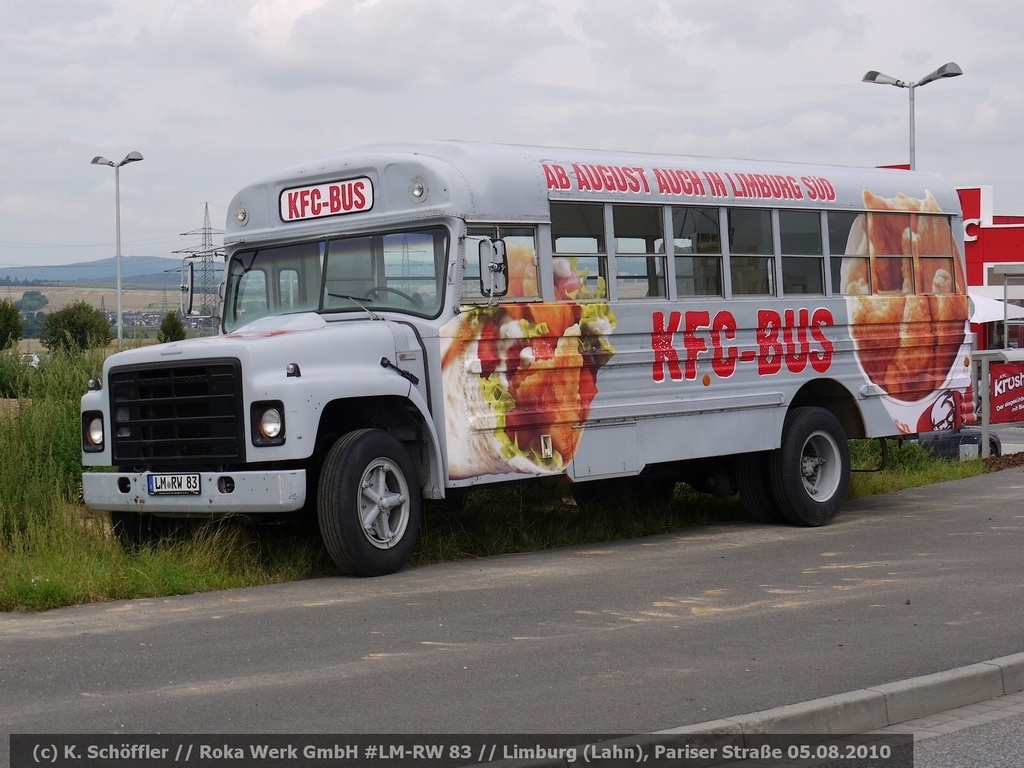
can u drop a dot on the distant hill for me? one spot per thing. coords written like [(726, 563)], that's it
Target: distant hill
[(135, 271)]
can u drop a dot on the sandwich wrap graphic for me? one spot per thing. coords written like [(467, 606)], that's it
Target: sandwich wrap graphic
[(520, 379)]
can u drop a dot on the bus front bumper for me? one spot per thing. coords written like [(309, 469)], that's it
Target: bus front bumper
[(173, 495)]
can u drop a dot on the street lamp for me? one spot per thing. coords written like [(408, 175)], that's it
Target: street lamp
[(946, 70), (131, 157)]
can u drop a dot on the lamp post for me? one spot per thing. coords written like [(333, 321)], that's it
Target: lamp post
[(131, 157), (946, 70)]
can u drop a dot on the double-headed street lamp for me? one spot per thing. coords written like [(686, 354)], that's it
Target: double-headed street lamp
[(131, 157), (946, 70)]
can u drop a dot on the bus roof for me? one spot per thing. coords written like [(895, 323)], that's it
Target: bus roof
[(505, 183)]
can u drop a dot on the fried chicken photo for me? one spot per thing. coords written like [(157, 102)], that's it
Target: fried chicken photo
[(907, 303)]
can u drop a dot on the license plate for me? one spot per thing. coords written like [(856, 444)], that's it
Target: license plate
[(183, 484)]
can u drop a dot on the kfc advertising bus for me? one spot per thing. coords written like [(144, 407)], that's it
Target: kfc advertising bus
[(407, 321)]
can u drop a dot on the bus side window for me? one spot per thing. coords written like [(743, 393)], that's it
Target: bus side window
[(521, 250), (848, 246), (639, 236), (471, 269), (892, 261), (802, 253), (934, 252), (751, 261), (697, 240), (580, 262)]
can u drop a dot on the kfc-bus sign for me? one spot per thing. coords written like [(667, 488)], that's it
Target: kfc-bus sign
[(335, 198), (1006, 392)]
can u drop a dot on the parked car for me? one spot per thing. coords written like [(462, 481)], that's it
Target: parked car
[(951, 443)]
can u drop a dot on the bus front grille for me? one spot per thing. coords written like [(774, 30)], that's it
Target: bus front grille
[(184, 414)]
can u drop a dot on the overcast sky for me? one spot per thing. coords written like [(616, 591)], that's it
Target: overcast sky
[(218, 93)]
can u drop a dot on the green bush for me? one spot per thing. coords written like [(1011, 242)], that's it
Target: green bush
[(76, 327), (11, 328), (171, 329)]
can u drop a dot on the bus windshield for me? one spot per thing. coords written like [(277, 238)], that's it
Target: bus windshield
[(393, 271)]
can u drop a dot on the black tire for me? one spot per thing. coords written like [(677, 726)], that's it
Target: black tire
[(810, 473), (755, 488), (368, 503)]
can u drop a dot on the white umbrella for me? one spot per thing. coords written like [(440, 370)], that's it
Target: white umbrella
[(986, 310)]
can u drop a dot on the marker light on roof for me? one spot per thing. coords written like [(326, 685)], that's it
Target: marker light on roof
[(418, 190)]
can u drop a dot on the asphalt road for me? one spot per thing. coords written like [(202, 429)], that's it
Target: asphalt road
[(629, 637)]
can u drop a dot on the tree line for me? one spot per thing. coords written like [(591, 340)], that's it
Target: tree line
[(76, 327)]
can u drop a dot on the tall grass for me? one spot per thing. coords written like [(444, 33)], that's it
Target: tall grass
[(55, 553), (40, 460), (42, 539)]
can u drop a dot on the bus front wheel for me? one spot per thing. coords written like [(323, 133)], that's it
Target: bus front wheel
[(810, 472), (368, 503)]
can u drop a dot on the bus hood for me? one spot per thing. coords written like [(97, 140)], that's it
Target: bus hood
[(271, 343)]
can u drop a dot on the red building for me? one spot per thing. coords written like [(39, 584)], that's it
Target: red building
[(993, 242)]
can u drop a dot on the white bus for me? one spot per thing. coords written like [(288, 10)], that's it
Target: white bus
[(406, 321)]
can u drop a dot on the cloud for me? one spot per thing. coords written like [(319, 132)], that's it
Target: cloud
[(217, 93)]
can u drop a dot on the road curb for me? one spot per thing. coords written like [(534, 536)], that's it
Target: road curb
[(869, 709)]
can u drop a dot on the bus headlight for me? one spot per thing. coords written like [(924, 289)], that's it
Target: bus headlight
[(92, 431), (268, 423)]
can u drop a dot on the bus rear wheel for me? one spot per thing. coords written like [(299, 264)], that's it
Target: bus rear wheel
[(368, 503), (810, 472), (755, 489)]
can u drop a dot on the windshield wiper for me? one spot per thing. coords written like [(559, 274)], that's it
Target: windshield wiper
[(358, 302)]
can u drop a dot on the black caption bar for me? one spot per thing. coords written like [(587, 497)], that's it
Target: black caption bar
[(457, 751)]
